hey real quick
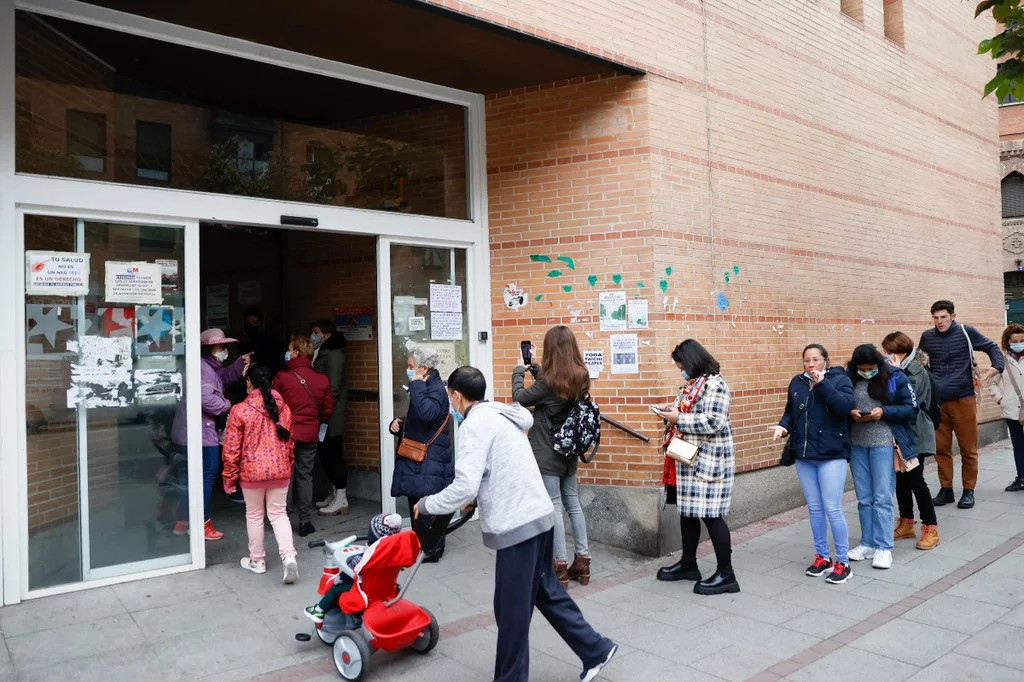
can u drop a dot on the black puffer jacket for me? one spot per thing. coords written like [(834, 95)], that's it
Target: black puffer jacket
[(549, 413)]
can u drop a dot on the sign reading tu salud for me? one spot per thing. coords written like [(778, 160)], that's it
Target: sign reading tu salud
[(56, 273)]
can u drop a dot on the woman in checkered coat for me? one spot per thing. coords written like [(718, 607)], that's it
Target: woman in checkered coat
[(703, 491)]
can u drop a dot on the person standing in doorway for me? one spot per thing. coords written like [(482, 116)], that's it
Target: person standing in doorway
[(1006, 389), (910, 485), (215, 374), (496, 468), (951, 347), (561, 381), (329, 359), (266, 350), (308, 394)]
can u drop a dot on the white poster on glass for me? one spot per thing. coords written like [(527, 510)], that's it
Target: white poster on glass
[(133, 282), (56, 273)]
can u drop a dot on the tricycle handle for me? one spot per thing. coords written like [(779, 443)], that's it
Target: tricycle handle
[(317, 543)]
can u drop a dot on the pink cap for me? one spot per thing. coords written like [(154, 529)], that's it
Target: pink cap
[(214, 337)]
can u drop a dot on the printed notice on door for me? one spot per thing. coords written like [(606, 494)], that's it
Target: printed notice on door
[(133, 282), (625, 354), (446, 326), (445, 298), (56, 273)]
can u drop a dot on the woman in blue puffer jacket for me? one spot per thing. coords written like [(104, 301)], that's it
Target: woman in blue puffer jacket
[(884, 412), (817, 423)]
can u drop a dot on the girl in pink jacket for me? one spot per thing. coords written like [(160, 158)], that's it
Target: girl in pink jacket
[(259, 454)]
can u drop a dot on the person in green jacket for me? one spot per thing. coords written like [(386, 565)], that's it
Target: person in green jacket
[(329, 359)]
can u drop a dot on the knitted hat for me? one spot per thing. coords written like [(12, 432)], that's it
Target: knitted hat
[(383, 525)]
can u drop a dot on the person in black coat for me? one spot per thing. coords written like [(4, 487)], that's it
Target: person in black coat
[(817, 423), (427, 422)]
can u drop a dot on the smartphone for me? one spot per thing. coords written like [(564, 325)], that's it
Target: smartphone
[(655, 410), (865, 413), (524, 349)]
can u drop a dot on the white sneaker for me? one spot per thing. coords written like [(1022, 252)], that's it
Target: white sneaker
[(861, 552), (254, 566), (338, 506), (326, 502), (883, 559), (591, 673), (291, 570)]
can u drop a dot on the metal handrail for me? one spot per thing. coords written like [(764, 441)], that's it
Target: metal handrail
[(625, 429)]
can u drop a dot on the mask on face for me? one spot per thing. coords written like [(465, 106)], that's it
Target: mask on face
[(806, 375), (868, 374), (221, 355), (317, 339), (682, 373), (287, 356), (1017, 347), (251, 330), (456, 415), (410, 374)]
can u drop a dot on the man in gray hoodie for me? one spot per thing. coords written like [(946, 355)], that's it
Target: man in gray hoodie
[(495, 466)]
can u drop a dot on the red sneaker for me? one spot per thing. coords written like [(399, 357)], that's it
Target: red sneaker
[(212, 533), (181, 528)]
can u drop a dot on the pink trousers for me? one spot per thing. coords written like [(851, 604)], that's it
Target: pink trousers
[(274, 500)]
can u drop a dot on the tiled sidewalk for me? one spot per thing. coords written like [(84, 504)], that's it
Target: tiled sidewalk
[(954, 613)]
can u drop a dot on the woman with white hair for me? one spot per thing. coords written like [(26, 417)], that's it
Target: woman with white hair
[(424, 464)]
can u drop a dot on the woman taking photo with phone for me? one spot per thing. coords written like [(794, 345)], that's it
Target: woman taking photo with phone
[(561, 380), (884, 411), (700, 416), (817, 423)]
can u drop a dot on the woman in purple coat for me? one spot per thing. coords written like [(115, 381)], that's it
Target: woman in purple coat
[(215, 375)]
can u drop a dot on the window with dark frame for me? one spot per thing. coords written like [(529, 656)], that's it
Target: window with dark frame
[(87, 139), (153, 151), (1012, 188)]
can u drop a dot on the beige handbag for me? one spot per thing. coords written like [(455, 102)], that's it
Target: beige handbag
[(682, 451), (901, 465)]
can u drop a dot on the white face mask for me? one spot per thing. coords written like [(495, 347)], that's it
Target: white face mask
[(221, 355)]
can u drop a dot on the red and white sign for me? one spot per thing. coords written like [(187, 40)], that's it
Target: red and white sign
[(56, 273)]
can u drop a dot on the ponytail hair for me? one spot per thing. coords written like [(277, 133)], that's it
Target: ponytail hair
[(260, 377)]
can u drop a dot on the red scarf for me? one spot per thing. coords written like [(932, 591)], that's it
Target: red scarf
[(687, 399)]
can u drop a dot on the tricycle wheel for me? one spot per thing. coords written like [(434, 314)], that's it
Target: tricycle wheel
[(326, 638), (352, 655), (428, 638)]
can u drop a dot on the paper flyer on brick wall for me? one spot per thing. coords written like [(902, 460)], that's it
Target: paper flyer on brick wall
[(133, 282), (594, 360), (625, 354), (613, 311), (354, 323), (637, 313), (56, 273)]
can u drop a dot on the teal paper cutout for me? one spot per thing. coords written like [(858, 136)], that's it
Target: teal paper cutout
[(555, 273), (592, 279), (735, 269), (640, 284), (566, 288), (668, 271), (568, 261), (727, 277), (663, 284), (617, 278), (538, 297), (538, 258)]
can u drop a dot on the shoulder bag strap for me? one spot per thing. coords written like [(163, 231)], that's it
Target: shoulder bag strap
[(316, 403), (970, 346), (444, 425)]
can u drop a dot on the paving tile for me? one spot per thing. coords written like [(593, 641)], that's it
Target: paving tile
[(474, 649), (121, 665), (848, 665), (737, 663), (77, 607), (828, 598), (761, 609), (956, 613), (201, 652), (910, 642), (959, 668), (544, 668), (879, 590), (819, 624), (641, 665), (172, 589), (1003, 591), (78, 640), (679, 646), (221, 611), (743, 633), (968, 546), (999, 644)]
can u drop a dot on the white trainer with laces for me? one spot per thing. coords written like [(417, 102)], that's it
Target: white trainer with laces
[(590, 674), (883, 559), (861, 552), (291, 571), (257, 567)]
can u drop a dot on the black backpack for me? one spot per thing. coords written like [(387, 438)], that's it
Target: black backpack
[(581, 430)]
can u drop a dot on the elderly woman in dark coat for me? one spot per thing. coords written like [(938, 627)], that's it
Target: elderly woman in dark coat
[(426, 422)]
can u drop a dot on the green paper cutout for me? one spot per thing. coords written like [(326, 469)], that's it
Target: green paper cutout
[(592, 279), (555, 273), (566, 288), (617, 278), (735, 269), (640, 284), (538, 258), (749, 282), (668, 270), (726, 277), (636, 296), (538, 297), (664, 285), (568, 261)]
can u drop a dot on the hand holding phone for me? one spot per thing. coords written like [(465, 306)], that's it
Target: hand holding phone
[(526, 350)]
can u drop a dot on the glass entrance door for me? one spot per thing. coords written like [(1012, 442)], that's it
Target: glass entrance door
[(106, 424), (428, 304)]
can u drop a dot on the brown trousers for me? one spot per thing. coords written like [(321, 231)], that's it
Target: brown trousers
[(960, 417)]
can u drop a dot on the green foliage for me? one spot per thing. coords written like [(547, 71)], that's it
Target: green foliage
[(320, 176), (223, 175), (1006, 47)]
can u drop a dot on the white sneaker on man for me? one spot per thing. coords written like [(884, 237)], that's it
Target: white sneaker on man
[(861, 552), (326, 502), (883, 559), (291, 571), (338, 506)]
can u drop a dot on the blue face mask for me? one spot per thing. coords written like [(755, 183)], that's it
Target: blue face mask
[(456, 415), (410, 374), (1017, 347), (686, 377), (868, 374), (317, 339), (287, 356)]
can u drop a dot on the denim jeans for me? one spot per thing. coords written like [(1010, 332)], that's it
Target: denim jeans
[(823, 484), (874, 480), (211, 462), (564, 490)]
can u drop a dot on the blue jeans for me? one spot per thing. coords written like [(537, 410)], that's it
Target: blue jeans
[(823, 484), (211, 463), (874, 480), (565, 491)]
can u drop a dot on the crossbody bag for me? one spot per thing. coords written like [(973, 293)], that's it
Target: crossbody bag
[(415, 450), (975, 372)]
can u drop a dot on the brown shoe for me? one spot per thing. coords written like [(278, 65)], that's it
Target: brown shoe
[(562, 572), (580, 570), (905, 530), (929, 537)]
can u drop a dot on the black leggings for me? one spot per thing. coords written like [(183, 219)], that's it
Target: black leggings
[(911, 486), (720, 540)]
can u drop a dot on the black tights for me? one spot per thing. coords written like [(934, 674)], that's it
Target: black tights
[(720, 540)]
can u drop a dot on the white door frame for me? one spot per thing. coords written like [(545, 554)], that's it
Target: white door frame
[(79, 198)]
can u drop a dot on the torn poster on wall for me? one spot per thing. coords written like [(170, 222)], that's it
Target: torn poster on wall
[(117, 321), (133, 282), (102, 374), (515, 298), (56, 273), (157, 387)]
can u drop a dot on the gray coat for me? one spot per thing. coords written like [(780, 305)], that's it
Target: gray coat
[(331, 361), (924, 430), (549, 413)]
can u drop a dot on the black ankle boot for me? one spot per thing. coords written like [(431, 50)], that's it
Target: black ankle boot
[(944, 497), (720, 583), (681, 570), (1016, 486)]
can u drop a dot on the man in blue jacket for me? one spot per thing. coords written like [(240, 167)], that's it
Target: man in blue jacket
[(951, 347)]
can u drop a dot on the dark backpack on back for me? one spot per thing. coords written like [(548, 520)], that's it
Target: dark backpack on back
[(581, 430)]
